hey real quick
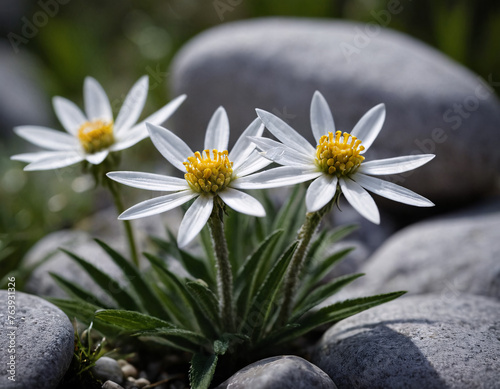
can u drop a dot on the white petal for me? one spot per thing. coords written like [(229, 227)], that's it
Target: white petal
[(97, 158), (170, 146), (47, 138), (160, 116), (129, 138), (31, 157), (369, 126), (70, 116), (321, 192), (194, 219), (285, 133), (394, 165), (244, 146), (149, 181), (391, 191), (277, 177), (252, 164), (217, 135), (55, 160), (132, 106), (96, 101), (321, 117), (157, 205), (360, 199), (242, 202), (282, 154)]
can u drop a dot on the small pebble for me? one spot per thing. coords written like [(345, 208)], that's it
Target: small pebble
[(122, 362), (129, 371), (142, 382), (111, 385)]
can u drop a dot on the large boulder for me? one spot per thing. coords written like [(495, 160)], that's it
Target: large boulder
[(428, 341)]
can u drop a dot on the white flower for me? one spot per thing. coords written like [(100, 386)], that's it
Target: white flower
[(337, 160), (214, 172), (91, 135)]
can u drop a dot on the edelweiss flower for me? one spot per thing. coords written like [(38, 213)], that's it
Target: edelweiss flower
[(337, 160), (93, 135), (213, 172)]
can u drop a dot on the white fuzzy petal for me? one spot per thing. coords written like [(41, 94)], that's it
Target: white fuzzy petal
[(170, 146), (244, 146), (252, 164), (321, 117), (217, 135), (47, 138), (129, 138), (194, 219), (242, 202), (391, 191), (282, 154), (70, 116), (97, 158), (157, 205), (394, 165), (132, 106), (369, 126), (96, 101), (360, 199), (285, 133), (32, 157), (321, 192), (55, 160), (149, 181), (277, 177)]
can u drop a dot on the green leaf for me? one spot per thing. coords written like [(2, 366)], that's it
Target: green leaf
[(150, 301), (321, 293), (266, 295), (322, 269), (82, 310), (194, 266), (246, 279), (330, 315), (131, 321), (181, 338), (206, 300), (76, 291), (202, 370), (107, 284), (193, 317)]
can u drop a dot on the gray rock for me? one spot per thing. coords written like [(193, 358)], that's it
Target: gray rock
[(22, 100), (106, 369), (281, 372), (416, 342), (448, 256), (434, 105), (43, 340)]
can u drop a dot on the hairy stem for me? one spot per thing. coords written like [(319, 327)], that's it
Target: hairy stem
[(292, 277), (224, 272)]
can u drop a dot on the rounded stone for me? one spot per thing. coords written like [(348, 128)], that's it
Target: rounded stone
[(106, 369), (41, 338), (427, 341), (282, 372), (434, 105)]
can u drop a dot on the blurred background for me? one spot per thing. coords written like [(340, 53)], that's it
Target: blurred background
[(48, 47)]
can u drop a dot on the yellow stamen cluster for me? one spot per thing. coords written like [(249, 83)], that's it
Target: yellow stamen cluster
[(207, 174), (96, 136), (336, 155)]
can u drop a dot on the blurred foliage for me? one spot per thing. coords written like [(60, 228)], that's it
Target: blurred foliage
[(118, 41)]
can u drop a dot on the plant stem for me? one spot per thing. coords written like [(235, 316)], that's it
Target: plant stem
[(128, 226), (292, 276), (224, 272)]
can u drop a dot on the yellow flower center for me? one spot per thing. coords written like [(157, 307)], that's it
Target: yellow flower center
[(96, 136), (336, 155), (206, 174)]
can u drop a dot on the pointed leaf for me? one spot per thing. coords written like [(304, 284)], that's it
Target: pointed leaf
[(202, 370), (76, 291), (206, 300)]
